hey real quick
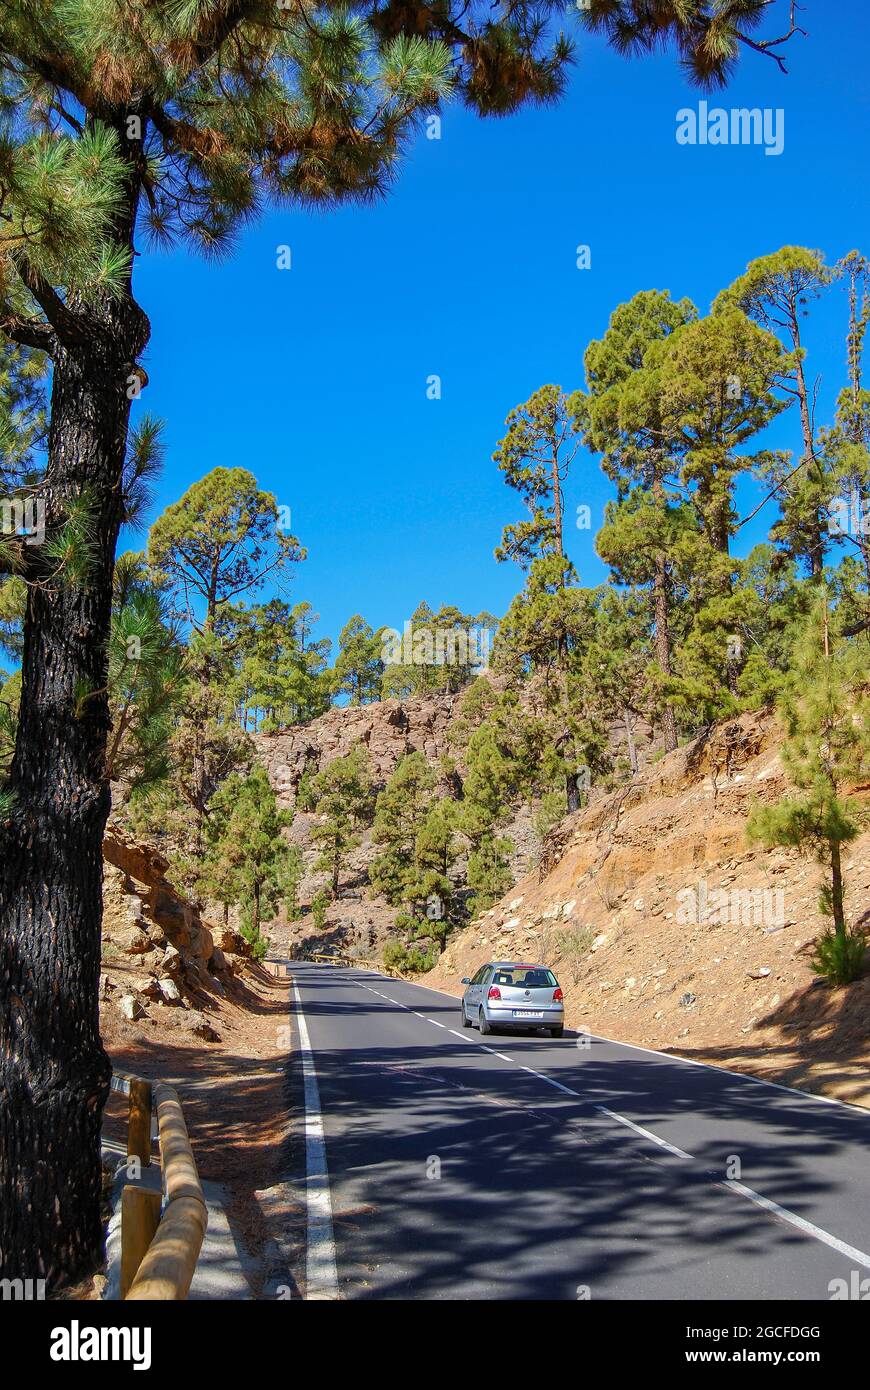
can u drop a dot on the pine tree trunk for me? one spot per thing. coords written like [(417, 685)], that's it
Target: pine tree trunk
[(837, 889), (255, 914), (54, 1072), (663, 646), (814, 521), (629, 738)]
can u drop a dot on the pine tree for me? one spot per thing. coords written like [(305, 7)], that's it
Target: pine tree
[(535, 456), (246, 854), (399, 812), (220, 540), (178, 127), (343, 802), (847, 445), (620, 415), (281, 674), (774, 291), (826, 709), (359, 668)]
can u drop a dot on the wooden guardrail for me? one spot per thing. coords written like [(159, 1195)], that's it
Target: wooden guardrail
[(161, 1234)]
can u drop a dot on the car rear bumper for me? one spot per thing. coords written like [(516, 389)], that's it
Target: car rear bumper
[(504, 1018)]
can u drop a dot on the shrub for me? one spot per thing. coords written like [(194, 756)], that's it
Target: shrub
[(839, 956), (258, 943), (319, 906), (409, 959)]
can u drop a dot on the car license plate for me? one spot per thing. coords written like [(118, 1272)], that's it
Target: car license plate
[(528, 1013)]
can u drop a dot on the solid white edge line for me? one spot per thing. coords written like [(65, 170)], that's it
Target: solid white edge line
[(321, 1276), (849, 1251), (738, 1075)]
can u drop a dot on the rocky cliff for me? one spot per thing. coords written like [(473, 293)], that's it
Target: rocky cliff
[(163, 964)]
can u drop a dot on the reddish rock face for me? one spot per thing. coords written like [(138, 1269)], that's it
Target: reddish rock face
[(387, 730)]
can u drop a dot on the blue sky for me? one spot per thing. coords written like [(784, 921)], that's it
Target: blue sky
[(315, 378)]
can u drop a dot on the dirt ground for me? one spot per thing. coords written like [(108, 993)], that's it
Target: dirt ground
[(232, 1090)]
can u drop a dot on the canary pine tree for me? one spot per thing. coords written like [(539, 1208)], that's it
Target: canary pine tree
[(175, 120)]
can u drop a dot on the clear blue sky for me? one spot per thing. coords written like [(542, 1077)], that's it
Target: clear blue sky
[(315, 378)]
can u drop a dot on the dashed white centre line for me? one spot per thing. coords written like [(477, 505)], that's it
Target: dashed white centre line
[(320, 1207), (646, 1133), (857, 1256), (550, 1082)]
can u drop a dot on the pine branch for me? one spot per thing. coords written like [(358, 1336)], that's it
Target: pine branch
[(69, 327), (29, 332)]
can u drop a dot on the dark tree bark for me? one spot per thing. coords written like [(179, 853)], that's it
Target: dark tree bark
[(837, 907), (663, 645), (54, 1072)]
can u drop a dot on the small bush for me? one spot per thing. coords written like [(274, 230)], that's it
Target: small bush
[(839, 958), (319, 907), (258, 943), (409, 959)]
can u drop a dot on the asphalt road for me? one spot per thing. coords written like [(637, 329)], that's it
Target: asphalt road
[(441, 1165)]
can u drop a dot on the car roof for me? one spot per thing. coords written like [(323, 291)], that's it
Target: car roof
[(518, 965)]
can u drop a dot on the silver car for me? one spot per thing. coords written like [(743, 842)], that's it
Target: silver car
[(513, 994)]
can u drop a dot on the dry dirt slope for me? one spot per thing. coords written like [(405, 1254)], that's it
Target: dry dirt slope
[(737, 992)]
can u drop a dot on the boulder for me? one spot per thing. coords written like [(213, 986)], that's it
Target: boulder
[(169, 990), (131, 1007)]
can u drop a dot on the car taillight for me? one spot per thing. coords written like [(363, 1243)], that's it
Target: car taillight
[(557, 995), (494, 992)]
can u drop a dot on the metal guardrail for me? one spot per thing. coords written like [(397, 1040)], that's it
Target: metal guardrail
[(161, 1234), (338, 958)]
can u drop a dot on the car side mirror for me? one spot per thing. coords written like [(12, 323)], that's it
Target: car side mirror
[(465, 980)]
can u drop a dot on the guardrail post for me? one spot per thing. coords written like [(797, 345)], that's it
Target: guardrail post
[(140, 1217), (139, 1122)]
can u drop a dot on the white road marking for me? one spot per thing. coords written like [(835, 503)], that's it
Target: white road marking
[(550, 1082), (850, 1252), (738, 1075), (647, 1133), (856, 1256), (321, 1277)]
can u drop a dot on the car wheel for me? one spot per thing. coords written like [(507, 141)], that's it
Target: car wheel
[(556, 1032), (466, 1021), (484, 1024)]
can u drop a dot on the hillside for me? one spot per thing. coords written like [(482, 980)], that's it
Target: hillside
[(737, 992), (388, 730)]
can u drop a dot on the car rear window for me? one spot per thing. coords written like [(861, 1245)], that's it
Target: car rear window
[(525, 979)]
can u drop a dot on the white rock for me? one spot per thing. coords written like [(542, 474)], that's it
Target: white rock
[(169, 989), (131, 1008), (569, 907)]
